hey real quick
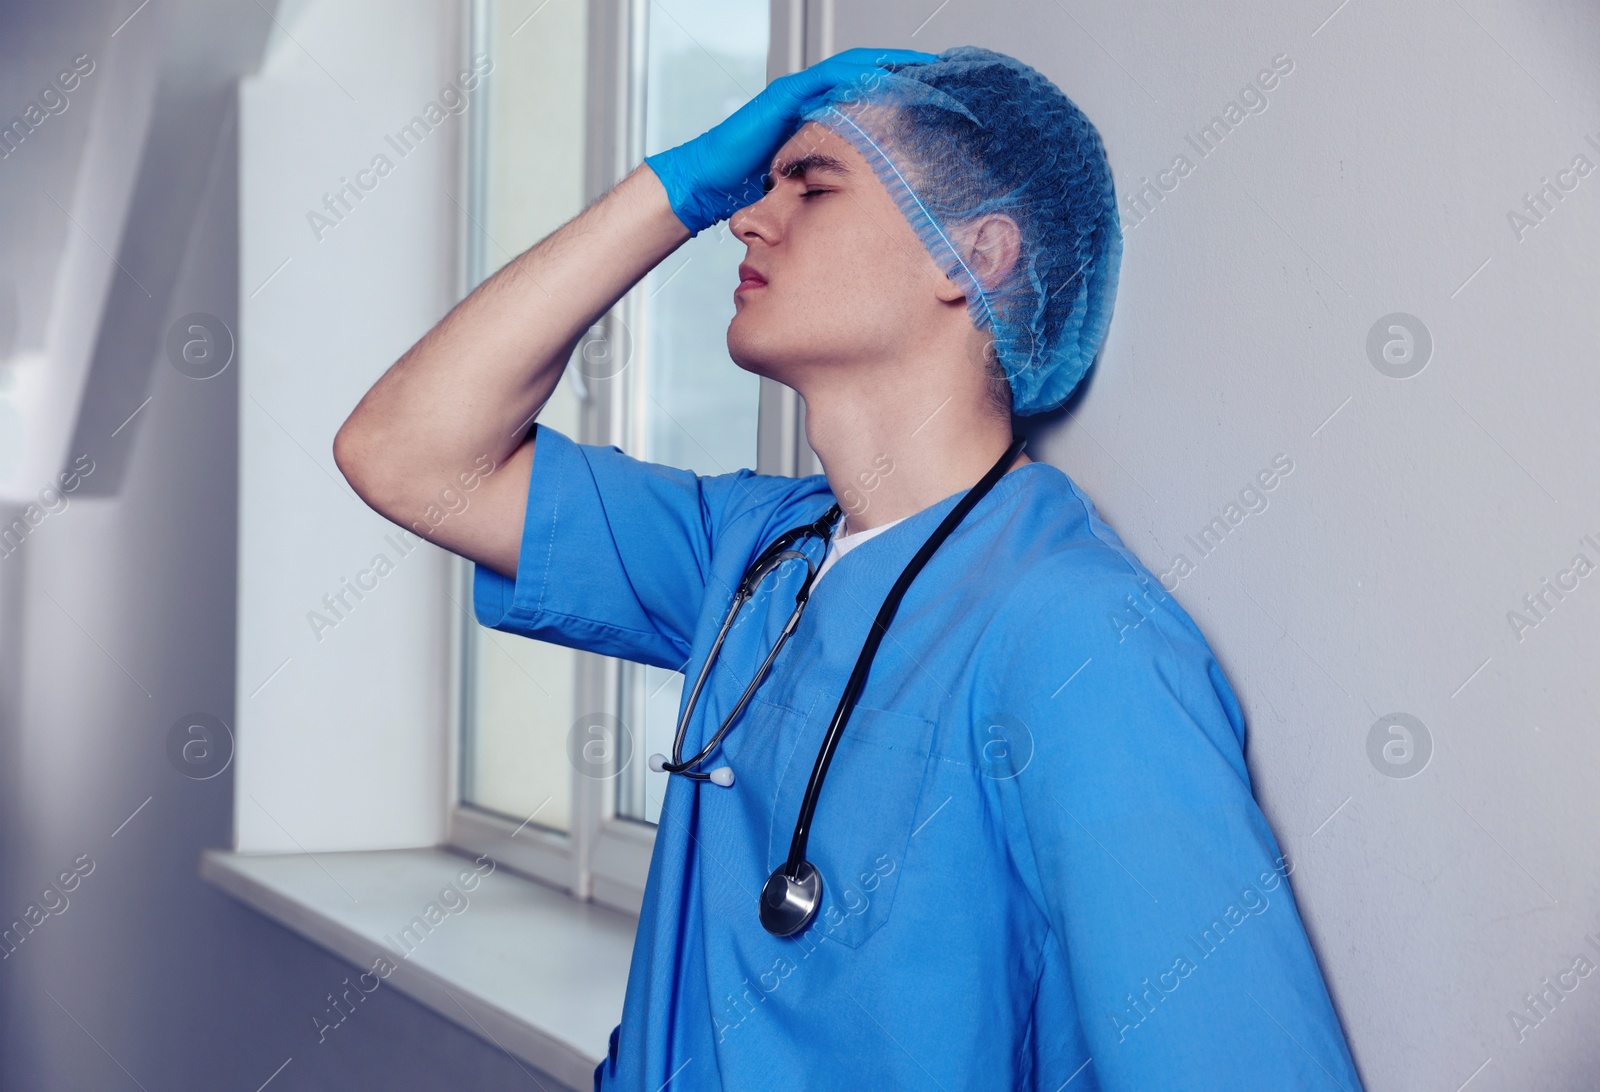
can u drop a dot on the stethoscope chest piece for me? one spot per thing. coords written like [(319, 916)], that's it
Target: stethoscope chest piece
[(788, 905)]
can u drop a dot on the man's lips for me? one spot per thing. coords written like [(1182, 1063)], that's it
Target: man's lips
[(749, 278)]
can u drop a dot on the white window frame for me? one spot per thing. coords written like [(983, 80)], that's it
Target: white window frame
[(605, 857)]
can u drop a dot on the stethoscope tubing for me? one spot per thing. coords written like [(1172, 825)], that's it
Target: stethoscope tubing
[(792, 894), (769, 559), (869, 650)]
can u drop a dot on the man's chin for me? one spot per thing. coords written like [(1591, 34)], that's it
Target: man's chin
[(753, 369), (754, 354)]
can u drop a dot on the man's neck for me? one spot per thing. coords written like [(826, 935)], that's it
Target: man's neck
[(887, 458)]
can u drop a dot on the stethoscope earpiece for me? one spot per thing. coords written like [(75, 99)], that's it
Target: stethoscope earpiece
[(722, 775)]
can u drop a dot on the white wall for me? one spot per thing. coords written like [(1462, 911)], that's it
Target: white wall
[(117, 621), (1419, 512), (342, 710)]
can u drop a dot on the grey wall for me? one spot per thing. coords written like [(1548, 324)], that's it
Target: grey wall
[(1377, 579), (1378, 575), (116, 619)]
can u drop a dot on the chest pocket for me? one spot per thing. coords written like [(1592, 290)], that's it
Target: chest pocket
[(869, 804)]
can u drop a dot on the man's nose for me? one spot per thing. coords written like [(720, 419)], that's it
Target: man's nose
[(755, 220)]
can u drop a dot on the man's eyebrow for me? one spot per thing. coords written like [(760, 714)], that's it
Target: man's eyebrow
[(811, 161)]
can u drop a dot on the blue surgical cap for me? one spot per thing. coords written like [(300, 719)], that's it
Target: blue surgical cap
[(977, 132)]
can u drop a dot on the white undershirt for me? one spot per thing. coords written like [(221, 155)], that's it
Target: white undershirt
[(843, 543)]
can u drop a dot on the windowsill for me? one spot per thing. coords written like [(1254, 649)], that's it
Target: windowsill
[(525, 966)]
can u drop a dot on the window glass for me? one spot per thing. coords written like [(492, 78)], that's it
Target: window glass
[(528, 181), (693, 407)]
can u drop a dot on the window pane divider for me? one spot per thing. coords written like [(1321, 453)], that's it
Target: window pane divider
[(605, 857)]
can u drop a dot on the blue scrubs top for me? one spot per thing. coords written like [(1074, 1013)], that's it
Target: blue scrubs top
[(1042, 863)]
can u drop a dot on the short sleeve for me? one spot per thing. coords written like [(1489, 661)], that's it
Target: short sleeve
[(1158, 871), (616, 552)]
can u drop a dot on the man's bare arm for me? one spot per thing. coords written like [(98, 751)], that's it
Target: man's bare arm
[(455, 408)]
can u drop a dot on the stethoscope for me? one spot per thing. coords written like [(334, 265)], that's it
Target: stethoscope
[(792, 894)]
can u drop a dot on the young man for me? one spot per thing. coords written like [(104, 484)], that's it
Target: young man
[(984, 820)]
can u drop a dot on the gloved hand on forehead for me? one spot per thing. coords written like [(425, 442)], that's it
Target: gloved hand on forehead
[(720, 171)]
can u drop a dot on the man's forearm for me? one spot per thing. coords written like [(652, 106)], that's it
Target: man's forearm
[(469, 386)]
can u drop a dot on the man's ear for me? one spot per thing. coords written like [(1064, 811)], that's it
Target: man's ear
[(994, 243), (990, 247)]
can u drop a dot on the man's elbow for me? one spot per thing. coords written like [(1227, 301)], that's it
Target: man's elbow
[(358, 455)]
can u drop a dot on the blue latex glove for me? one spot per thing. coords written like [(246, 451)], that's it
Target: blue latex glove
[(720, 171)]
